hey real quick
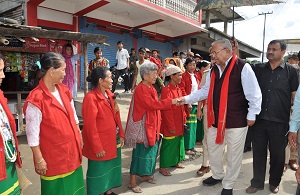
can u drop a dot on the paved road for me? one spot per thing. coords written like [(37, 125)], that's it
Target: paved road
[(183, 181)]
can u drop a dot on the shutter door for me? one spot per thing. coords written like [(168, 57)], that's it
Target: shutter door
[(109, 52), (165, 49)]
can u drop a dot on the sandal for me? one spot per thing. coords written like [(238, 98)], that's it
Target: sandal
[(112, 193), (189, 152), (148, 179), (164, 172), (136, 189), (179, 166)]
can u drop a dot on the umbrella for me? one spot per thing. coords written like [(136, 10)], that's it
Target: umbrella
[(217, 4)]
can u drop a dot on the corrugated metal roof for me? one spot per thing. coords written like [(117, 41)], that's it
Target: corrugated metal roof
[(32, 31)]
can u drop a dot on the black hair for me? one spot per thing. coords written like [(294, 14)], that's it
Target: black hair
[(142, 49), (97, 73), (281, 43), (50, 60), (167, 78), (97, 49), (188, 60), (202, 64), (173, 61), (119, 42), (175, 53), (69, 45), (155, 50), (181, 53), (132, 49)]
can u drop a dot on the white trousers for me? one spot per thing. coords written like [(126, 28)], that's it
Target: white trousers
[(290, 154), (235, 140), (205, 157)]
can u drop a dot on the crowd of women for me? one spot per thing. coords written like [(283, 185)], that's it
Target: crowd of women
[(57, 144)]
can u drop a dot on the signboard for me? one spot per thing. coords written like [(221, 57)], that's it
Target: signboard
[(42, 46)]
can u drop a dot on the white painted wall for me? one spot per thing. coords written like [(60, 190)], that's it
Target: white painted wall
[(55, 16), (68, 7)]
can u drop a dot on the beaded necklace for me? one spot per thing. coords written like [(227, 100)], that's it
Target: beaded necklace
[(7, 135)]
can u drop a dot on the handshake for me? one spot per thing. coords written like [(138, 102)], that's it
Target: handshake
[(178, 101)]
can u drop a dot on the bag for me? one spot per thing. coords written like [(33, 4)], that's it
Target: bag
[(135, 132), (23, 180)]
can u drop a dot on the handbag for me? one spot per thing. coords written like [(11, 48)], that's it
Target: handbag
[(23, 180), (135, 131)]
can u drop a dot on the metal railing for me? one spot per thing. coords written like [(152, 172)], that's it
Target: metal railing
[(183, 7)]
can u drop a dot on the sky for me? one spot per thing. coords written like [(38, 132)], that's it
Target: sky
[(284, 23)]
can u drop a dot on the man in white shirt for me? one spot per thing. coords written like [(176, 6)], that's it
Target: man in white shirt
[(234, 99), (122, 67)]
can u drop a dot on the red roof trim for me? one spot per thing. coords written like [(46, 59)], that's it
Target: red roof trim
[(149, 23), (35, 2), (92, 8)]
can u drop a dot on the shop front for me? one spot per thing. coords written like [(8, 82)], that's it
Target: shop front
[(21, 48)]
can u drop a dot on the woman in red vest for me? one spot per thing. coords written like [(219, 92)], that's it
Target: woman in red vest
[(143, 126), (102, 135), (9, 152), (189, 84), (53, 132), (173, 121)]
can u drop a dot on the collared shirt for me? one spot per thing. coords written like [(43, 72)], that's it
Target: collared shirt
[(194, 85), (276, 86), (122, 59), (250, 86), (295, 118)]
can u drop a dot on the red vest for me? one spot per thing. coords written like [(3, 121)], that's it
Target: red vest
[(146, 102), (12, 124), (59, 136), (99, 128), (174, 118)]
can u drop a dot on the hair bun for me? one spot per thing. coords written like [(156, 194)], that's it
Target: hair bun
[(88, 78)]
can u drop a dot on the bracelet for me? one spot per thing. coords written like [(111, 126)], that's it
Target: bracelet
[(40, 161)]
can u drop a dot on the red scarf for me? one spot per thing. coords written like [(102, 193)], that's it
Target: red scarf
[(223, 102)]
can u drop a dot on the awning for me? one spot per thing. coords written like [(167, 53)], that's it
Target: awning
[(30, 31)]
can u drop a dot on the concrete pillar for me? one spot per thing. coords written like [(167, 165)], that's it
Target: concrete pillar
[(207, 19), (225, 26)]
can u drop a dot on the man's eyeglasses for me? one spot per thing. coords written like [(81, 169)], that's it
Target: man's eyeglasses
[(214, 53)]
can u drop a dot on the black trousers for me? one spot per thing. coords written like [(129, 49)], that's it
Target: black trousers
[(273, 135), (124, 75), (249, 138)]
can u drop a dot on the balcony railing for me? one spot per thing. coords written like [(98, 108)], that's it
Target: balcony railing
[(183, 7)]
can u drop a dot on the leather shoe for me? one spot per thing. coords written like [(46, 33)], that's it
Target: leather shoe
[(293, 165), (247, 149), (226, 192), (274, 189), (211, 181), (252, 190), (203, 170)]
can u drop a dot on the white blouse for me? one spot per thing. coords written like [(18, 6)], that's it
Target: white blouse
[(34, 119), (194, 85)]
